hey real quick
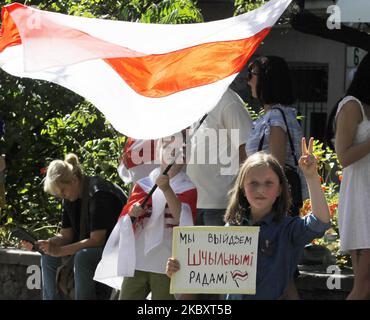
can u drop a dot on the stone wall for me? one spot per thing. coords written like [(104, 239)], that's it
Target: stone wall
[(15, 282), (314, 282)]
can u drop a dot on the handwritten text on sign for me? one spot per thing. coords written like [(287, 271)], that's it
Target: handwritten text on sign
[(215, 259)]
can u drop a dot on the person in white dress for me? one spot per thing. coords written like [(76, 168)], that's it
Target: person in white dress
[(352, 144)]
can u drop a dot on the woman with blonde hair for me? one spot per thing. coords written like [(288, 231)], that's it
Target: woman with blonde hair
[(91, 206)]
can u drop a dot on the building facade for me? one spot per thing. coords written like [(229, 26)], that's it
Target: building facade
[(321, 69)]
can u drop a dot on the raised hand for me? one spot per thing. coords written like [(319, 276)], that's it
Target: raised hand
[(308, 162)]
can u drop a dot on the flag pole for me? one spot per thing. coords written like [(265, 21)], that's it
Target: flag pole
[(170, 165)]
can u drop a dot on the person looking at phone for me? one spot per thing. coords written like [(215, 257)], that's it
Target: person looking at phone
[(99, 202)]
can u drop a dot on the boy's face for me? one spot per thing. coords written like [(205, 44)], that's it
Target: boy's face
[(261, 188)]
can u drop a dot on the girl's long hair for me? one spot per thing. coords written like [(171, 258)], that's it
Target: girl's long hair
[(239, 205)]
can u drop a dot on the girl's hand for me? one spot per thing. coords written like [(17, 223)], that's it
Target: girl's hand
[(172, 266), (136, 210), (163, 182), (308, 162)]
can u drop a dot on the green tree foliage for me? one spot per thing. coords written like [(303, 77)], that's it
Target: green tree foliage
[(242, 6), (165, 11), (45, 121)]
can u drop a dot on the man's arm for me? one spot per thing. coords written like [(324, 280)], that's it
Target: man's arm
[(96, 240), (64, 237), (53, 245), (59, 246)]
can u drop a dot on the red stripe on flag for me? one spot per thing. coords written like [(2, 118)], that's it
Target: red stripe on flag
[(9, 34), (156, 75), (40, 27), (137, 195), (132, 153), (190, 197), (161, 75)]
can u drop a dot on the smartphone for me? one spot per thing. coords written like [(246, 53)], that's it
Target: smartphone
[(24, 235)]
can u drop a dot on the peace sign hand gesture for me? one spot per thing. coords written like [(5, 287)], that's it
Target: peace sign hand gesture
[(308, 162), (308, 165)]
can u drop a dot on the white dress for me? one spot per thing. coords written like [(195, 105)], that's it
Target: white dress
[(354, 195)]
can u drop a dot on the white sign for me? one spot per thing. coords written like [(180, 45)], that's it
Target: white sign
[(354, 56), (215, 259)]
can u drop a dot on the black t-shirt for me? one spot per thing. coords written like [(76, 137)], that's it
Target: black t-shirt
[(103, 211)]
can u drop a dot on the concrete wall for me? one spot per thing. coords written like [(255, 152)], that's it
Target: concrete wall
[(314, 283), (295, 47), (15, 282)]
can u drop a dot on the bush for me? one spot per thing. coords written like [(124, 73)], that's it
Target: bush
[(45, 121), (330, 172), (83, 132)]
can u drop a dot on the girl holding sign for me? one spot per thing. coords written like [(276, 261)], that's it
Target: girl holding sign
[(260, 197)]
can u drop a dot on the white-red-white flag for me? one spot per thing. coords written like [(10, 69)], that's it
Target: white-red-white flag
[(152, 235), (138, 160), (149, 80)]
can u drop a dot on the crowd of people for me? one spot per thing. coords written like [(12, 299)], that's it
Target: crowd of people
[(127, 243)]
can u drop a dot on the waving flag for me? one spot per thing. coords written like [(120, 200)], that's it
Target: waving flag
[(137, 160), (145, 246), (149, 80)]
